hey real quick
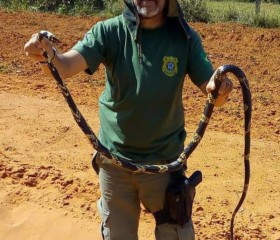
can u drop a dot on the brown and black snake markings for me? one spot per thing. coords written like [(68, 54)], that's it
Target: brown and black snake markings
[(181, 161)]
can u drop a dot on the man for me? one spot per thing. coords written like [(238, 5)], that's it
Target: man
[(147, 52)]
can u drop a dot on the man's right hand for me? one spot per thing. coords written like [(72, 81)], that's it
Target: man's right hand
[(35, 48), (68, 64)]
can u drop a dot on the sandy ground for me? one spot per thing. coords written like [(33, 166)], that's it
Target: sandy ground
[(48, 189)]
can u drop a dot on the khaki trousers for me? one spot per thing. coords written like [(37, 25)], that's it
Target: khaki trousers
[(119, 205)]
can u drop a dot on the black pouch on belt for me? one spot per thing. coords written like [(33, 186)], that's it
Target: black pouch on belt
[(180, 194)]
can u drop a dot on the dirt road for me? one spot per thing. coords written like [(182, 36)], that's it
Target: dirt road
[(48, 189)]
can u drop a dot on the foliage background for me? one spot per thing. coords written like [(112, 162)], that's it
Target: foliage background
[(243, 11)]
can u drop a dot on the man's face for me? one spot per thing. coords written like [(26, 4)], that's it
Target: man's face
[(149, 8)]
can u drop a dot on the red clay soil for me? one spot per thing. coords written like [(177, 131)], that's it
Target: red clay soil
[(48, 188)]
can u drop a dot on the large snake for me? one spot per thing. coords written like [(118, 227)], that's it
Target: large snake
[(177, 164)]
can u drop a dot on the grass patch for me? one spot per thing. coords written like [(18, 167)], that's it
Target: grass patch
[(4, 69), (244, 12)]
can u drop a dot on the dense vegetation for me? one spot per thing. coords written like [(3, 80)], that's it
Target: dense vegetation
[(260, 14)]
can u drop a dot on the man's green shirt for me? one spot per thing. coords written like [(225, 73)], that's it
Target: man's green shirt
[(140, 110)]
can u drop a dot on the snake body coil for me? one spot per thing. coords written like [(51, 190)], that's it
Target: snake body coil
[(208, 109)]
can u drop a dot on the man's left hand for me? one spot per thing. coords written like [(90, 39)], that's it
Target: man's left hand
[(224, 90)]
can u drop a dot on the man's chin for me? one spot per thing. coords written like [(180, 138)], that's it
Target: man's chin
[(147, 17), (148, 14)]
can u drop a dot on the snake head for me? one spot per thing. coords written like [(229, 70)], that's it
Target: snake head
[(48, 35)]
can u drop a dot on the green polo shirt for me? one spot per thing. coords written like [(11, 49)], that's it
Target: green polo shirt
[(140, 110)]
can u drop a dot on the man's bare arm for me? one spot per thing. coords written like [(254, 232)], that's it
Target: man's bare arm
[(68, 64)]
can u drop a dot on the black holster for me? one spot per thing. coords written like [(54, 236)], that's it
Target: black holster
[(180, 194)]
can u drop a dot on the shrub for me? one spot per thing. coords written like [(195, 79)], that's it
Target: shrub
[(262, 20), (231, 14), (195, 10), (65, 6)]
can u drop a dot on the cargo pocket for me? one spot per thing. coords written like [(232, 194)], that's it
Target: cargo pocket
[(186, 232), (105, 229), (167, 231)]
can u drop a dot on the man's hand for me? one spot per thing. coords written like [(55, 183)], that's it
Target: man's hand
[(224, 90), (68, 64), (35, 48)]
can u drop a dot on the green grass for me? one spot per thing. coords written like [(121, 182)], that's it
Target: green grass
[(244, 12), (4, 69)]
